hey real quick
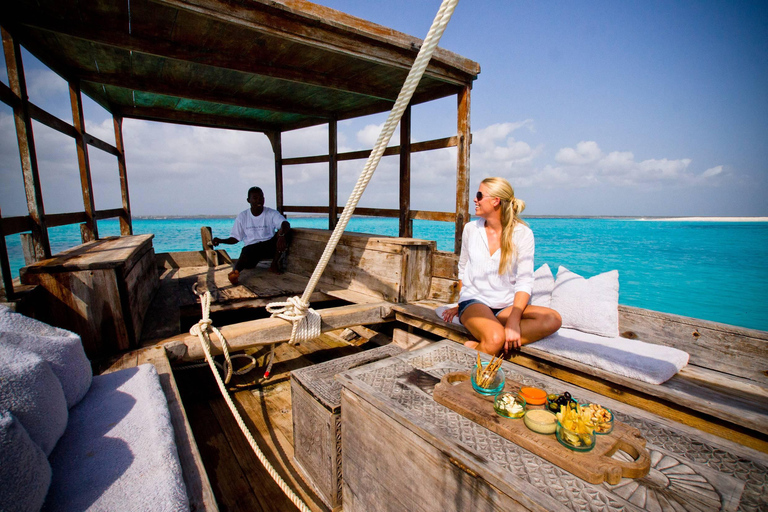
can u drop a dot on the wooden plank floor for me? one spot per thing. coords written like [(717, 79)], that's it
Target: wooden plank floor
[(239, 480)]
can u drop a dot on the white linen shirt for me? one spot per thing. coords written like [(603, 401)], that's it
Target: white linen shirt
[(479, 270), (251, 229)]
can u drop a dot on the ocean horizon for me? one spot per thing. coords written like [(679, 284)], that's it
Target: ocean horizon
[(705, 268)]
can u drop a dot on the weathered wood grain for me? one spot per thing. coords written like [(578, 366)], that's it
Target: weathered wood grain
[(266, 331)]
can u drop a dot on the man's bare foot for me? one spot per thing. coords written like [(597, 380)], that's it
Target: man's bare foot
[(234, 276), (471, 344)]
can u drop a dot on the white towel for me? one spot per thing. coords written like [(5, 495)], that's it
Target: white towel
[(635, 359)]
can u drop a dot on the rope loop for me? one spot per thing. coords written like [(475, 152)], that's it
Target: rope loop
[(306, 321)]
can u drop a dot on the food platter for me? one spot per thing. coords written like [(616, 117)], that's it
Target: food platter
[(595, 466)]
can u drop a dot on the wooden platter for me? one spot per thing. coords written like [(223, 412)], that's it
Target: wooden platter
[(595, 466)]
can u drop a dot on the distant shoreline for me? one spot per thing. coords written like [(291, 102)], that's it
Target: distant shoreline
[(617, 217)]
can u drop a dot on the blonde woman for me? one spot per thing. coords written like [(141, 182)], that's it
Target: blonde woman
[(496, 275)]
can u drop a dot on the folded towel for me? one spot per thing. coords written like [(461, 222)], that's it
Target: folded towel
[(635, 359), (32, 393), (440, 309), (118, 451), (24, 470), (61, 349)]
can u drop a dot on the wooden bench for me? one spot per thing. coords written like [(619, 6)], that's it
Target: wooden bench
[(723, 390)]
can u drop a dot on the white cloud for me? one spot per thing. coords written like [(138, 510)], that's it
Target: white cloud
[(713, 171), (586, 152), (370, 134)]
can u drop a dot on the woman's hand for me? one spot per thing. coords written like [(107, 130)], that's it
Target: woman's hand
[(450, 313), (512, 336)]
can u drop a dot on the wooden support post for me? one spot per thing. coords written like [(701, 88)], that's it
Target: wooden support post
[(277, 146), (462, 166), (406, 223), (26, 140), (89, 230), (211, 256), (28, 248), (6, 284), (333, 174), (126, 222)]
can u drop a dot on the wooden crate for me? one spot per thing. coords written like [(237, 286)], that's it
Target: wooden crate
[(404, 451), (101, 290), (316, 402)]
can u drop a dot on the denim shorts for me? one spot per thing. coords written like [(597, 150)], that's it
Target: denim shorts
[(466, 303)]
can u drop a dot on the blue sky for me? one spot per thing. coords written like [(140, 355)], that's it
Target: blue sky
[(588, 108)]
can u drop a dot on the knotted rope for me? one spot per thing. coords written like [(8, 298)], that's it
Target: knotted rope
[(200, 329), (298, 311)]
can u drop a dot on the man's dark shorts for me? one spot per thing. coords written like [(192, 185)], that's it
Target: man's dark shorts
[(252, 254)]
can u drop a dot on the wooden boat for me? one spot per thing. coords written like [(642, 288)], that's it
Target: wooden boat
[(274, 66)]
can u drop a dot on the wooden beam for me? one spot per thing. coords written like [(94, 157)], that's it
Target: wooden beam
[(26, 141), (379, 212), (108, 214), (462, 166), (13, 225), (406, 224), (90, 229), (276, 139), (196, 119), (126, 221), (62, 219), (267, 331), (173, 87), (333, 174), (416, 147), (5, 266)]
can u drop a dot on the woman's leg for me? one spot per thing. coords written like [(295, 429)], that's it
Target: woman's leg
[(537, 322), (485, 327)]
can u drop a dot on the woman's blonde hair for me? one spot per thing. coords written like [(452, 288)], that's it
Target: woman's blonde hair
[(511, 208)]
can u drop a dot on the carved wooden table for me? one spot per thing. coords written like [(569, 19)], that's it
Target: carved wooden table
[(404, 451)]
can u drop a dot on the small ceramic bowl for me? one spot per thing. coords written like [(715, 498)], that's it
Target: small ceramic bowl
[(540, 421), (601, 427), (496, 385), (574, 441), (509, 405)]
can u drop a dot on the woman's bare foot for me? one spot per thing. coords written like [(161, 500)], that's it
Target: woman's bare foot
[(471, 344)]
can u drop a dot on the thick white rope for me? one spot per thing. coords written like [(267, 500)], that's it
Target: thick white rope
[(200, 329), (299, 311)]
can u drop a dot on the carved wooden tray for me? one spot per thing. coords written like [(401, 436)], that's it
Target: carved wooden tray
[(595, 466)]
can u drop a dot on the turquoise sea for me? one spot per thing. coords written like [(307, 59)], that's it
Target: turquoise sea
[(709, 270)]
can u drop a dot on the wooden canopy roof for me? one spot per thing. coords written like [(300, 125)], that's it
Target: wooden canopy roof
[(259, 65)]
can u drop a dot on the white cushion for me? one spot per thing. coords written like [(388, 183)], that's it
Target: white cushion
[(543, 284), (588, 305), (25, 473), (61, 349), (32, 393)]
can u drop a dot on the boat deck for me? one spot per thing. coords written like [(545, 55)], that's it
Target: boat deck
[(238, 479)]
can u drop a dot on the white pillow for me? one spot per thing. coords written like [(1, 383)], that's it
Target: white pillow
[(588, 305), (543, 284)]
